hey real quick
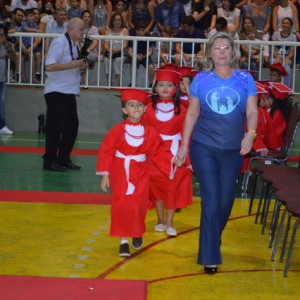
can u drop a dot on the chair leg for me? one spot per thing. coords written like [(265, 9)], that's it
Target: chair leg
[(265, 201), (288, 260), (286, 235), (275, 248), (260, 202), (256, 176), (245, 183), (274, 222), (265, 217)]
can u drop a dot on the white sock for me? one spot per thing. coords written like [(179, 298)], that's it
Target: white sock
[(124, 241)]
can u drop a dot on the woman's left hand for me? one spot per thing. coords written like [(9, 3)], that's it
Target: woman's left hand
[(247, 143)]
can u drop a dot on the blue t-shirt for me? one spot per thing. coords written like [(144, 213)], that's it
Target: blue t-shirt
[(169, 14), (223, 106), (27, 40)]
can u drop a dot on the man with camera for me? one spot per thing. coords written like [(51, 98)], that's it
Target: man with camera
[(6, 50), (63, 66)]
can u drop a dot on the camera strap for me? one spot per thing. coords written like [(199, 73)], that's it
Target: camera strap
[(70, 44)]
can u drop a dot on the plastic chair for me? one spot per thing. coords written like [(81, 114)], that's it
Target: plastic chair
[(284, 197), (294, 210), (278, 157)]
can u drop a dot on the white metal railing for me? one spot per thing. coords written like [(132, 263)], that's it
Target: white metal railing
[(96, 77)]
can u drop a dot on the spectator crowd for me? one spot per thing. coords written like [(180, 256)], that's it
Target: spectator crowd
[(265, 20)]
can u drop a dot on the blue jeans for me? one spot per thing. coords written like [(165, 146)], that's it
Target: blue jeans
[(2, 104), (217, 171)]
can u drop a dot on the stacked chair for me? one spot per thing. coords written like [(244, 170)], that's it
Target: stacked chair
[(281, 183)]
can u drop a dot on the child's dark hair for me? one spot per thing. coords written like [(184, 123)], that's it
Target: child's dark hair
[(139, 25), (28, 12), (176, 97), (283, 105)]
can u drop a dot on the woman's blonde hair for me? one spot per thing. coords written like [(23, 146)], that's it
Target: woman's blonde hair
[(208, 64)]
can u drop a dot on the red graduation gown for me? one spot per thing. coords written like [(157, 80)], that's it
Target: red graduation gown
[(176, 193), (128, 211), (270, 132)]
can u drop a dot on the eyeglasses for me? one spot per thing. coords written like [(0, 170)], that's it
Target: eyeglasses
[(222, 48)]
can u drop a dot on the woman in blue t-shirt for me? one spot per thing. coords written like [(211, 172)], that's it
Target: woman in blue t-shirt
[(227, 98)]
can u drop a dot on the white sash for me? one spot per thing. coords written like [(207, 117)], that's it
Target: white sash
[(175, 141), (127, 159)]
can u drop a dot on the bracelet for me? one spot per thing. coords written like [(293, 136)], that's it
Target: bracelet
[(252, 131)]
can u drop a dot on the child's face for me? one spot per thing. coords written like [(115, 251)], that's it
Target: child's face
[(225, 3), (134, 109), (286, 25), (165, 89), (184, 85), (275, 76), (30, 18), (266, 101), (251, 35), (140, 32), (166, 34), (74, 3), (120, 6)]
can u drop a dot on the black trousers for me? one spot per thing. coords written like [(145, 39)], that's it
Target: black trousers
[(61, 127)]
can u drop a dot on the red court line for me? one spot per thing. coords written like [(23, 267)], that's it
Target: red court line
[(218, 274), (54, 197), (41, 150), (118, 265)]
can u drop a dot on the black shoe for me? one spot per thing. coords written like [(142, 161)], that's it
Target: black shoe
[(210, 269), (70, 166), (137, 243), (124, 250), (38, 77), (54, 167)]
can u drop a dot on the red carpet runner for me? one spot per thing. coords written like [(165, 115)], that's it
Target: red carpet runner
[(44, 288)]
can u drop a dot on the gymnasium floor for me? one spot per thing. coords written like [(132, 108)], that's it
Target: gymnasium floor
[(55, 244)]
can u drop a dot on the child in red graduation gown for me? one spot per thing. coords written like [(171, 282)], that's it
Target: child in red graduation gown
[(272, 118), (277, 71), (123, 162), (273, 114), (167, 116)]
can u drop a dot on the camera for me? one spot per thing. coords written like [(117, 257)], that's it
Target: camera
[(84, 52)]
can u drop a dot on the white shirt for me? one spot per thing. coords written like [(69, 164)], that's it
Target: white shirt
[(64, 81), (19, 4)]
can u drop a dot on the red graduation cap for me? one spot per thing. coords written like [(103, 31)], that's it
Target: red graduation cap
[(168, 66), (167, 75), (134, 94), (280, 90), (261, 89), (185, 71), (278, 67)]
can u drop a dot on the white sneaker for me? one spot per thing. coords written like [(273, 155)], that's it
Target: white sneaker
[(5, 130), (159, 227), (171, 231)]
